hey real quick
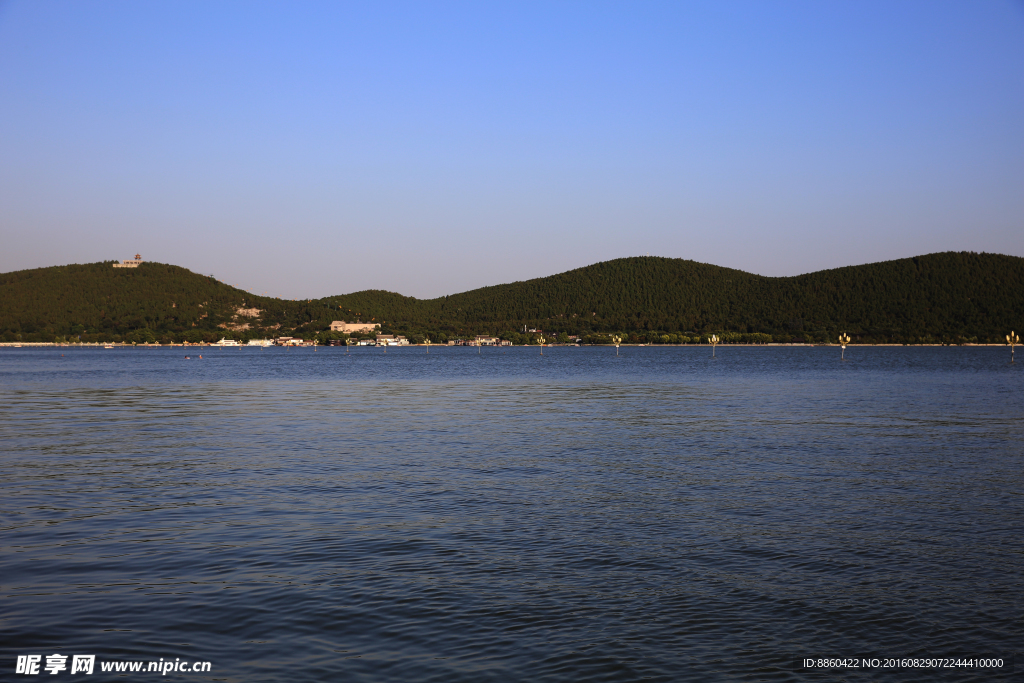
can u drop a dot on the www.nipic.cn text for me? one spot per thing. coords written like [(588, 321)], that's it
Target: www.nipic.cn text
[(86, 664)]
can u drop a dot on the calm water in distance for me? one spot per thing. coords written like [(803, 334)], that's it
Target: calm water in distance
[(300, 515)]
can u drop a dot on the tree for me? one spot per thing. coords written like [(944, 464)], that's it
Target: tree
[(143, 336)]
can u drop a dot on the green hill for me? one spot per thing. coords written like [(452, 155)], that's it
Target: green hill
[(101, 303), (949, 297)]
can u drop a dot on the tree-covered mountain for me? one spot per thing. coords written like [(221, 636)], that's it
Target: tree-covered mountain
[(155, 300), (949, 297)]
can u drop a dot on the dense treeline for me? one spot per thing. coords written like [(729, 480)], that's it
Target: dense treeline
[(948, 297)]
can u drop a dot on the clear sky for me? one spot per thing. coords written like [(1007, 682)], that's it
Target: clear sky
[(304, 149)]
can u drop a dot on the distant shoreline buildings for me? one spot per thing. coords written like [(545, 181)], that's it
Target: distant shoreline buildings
[(342, 326)]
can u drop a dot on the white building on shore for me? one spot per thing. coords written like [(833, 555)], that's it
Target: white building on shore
[(342, 326), (391, 340)]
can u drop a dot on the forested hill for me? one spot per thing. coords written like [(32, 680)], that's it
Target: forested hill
[(99, 303), (950, 297)]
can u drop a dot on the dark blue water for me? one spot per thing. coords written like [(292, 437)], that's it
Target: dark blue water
[(291, 515)]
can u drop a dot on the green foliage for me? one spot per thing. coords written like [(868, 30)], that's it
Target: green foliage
[(101, 303), (948, 298), (957, 295), (141, 336)]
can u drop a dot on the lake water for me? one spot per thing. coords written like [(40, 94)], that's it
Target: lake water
[(300, 515)]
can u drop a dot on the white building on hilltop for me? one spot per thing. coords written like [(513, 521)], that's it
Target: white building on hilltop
[(130, 263)]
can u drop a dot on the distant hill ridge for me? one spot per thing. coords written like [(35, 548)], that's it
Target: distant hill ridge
[(951, 297)]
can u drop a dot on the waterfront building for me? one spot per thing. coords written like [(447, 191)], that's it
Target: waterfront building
[(342, 326), (291, 341), (391, 340)]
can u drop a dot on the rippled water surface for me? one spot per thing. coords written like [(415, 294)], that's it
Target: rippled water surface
[(290, 514)]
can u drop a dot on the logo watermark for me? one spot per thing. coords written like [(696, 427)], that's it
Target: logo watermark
[(31, 665)]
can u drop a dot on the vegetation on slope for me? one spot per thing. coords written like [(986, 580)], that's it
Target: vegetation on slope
[(152, 302), (948, 297)]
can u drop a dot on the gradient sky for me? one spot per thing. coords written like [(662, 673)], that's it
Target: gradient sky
[(307, 149)]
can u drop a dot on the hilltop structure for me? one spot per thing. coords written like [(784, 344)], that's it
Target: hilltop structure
[(130, 263)]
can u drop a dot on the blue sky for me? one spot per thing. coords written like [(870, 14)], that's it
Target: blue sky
[(307, 149)]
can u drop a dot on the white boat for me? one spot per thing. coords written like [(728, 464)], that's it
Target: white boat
[(260, 342), (226, 342), (108, 346)]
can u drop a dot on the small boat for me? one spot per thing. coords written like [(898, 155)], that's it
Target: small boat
[(108, 346)]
